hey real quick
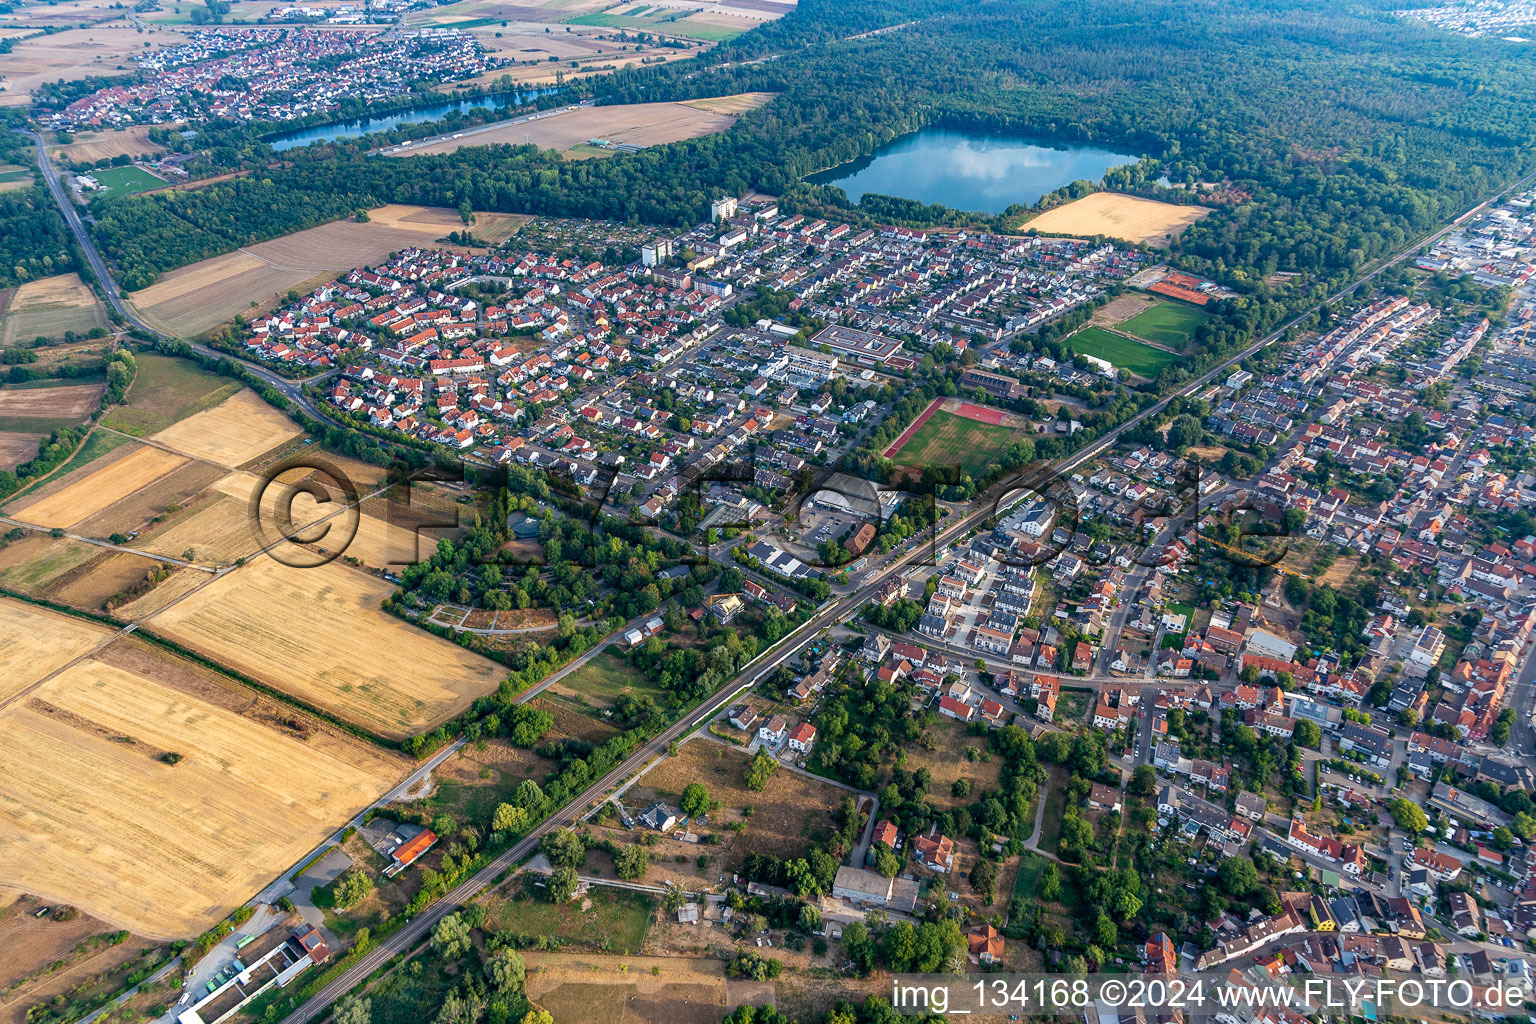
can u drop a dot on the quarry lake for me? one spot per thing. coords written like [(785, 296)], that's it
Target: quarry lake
[(415, 115), (970, 170)]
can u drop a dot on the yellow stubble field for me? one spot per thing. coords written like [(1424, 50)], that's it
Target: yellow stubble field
[(231, 433), (95, 491), (1128, 218), (88, 147), (95, 815), (35, 641), (75, 53), (321, 636)]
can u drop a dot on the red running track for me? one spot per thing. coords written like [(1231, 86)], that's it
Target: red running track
[(917, 424)]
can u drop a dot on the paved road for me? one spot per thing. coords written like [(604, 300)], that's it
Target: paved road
[(289, 389)]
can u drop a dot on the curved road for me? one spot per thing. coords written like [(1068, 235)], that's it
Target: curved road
[(293, 390)]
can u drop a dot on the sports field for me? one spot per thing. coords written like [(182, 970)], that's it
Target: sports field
[(320, 635), (1127, 353), (1168, 323), (96, 814), (950, 439), (125, 181)]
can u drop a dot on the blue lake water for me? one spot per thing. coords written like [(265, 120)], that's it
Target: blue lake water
[(970, 171), (415, 115)]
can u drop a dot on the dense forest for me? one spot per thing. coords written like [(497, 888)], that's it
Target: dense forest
[(34, 240), (1352, 130)]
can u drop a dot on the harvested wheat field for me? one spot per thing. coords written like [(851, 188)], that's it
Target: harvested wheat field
[(140, 510), (1128, 218), (73, 54), (734, 105), (97, 815), (100, 488), (217, 532), (637, 124), (231, 433), (89, 147), (50, 306), (35, 641), (182, 582), (383, 545), (71, 401), (196, 298), (319, 635)]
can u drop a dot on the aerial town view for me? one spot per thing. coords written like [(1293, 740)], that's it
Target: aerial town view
[(767, 512)]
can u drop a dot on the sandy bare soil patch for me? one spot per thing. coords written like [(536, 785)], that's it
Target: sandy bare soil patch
[(97, 816), (17, 448), (35, 641), (89, 147), (74, 54), (625, 990), (1122, 308), (638, 124), (94, 492), (198, 297), (50, 306), (231, 433), (1129, 218), (69, 402), (319, 635)]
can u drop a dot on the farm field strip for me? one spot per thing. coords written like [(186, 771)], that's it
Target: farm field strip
[(638, 124), (35, 642), (49, 307), (231, 433), (72, 401), (198, 297), (99, 489), (97, 815), (319, 635)]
